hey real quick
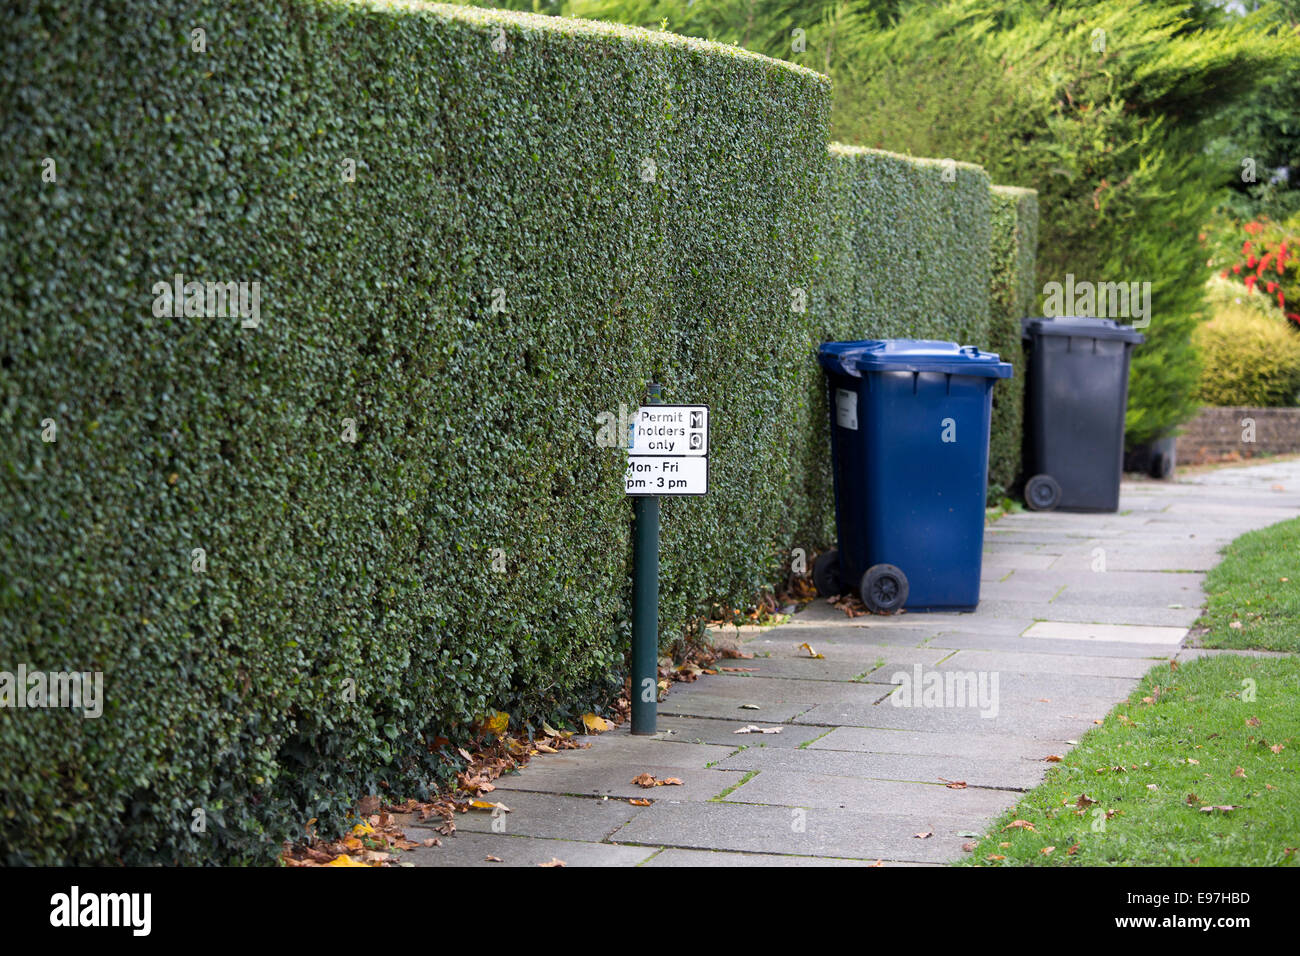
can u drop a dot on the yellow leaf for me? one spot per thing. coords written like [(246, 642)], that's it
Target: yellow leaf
[(596, 725), (344, 861), (485, 805), (361, 829), (496, 723), (811, 653), (549, 730)]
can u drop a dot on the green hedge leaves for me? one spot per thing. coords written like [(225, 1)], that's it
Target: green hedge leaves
[(471, 232)]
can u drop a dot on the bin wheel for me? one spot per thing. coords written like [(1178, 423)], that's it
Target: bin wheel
[(1162, 465), (884, 589), (826, 573), (1042, 493)]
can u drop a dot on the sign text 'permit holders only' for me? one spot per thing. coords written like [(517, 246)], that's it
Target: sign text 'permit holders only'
[(668, 451)]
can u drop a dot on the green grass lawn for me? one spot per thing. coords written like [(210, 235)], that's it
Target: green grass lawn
[(1254, 593), (1215, 732)]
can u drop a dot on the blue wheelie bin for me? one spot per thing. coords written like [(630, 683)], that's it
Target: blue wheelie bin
[(910, 444)]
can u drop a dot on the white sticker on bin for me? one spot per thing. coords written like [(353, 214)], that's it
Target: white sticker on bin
[(846, 409)]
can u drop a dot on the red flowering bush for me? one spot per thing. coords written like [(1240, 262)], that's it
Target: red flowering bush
[(1268, 262)]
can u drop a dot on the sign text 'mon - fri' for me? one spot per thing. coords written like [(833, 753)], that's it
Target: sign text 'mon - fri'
[(668, 448)]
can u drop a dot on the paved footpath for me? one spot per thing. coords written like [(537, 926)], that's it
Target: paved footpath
[(1074, 610)]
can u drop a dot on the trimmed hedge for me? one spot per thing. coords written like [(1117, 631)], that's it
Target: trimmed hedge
[(545, 214), (909, 241), (525, 170), (1012, 296), (907, 255)]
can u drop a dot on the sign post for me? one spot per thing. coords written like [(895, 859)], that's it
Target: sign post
[(668, 447)]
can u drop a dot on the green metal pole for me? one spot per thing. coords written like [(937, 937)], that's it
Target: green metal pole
[(645, 606)]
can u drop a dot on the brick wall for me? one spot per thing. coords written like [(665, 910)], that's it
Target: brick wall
[(1219, 433)]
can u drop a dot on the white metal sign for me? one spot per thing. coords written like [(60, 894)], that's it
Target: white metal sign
[(663, 475), (670, 430), (668, 449)]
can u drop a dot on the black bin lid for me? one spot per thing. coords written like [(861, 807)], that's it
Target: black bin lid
[(1080, 327)]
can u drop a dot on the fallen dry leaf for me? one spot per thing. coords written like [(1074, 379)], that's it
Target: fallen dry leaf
[(640, 802), (1053, 758), (491, 859), (496, 723), (755, 729), (1047, 850), (923, 836), (811, 653), (486, 805), (596, 725), (1019, 825), (553, 862)]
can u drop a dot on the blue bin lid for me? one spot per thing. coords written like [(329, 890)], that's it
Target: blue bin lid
[(1080, 326), (910, 355)]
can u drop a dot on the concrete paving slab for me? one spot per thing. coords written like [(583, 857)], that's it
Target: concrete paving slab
[(794, 830), (1018, 559), (473, 849), (959, 683), (1114, 633), (1029, 662), (862, 795), (547, 816), (1054, 719), (690, 730), (776, 690), (616, 781), (989, 642), (1142, 559), (974, 771), (1109, 613), (619, 746), (982, 746), (711, 858)]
